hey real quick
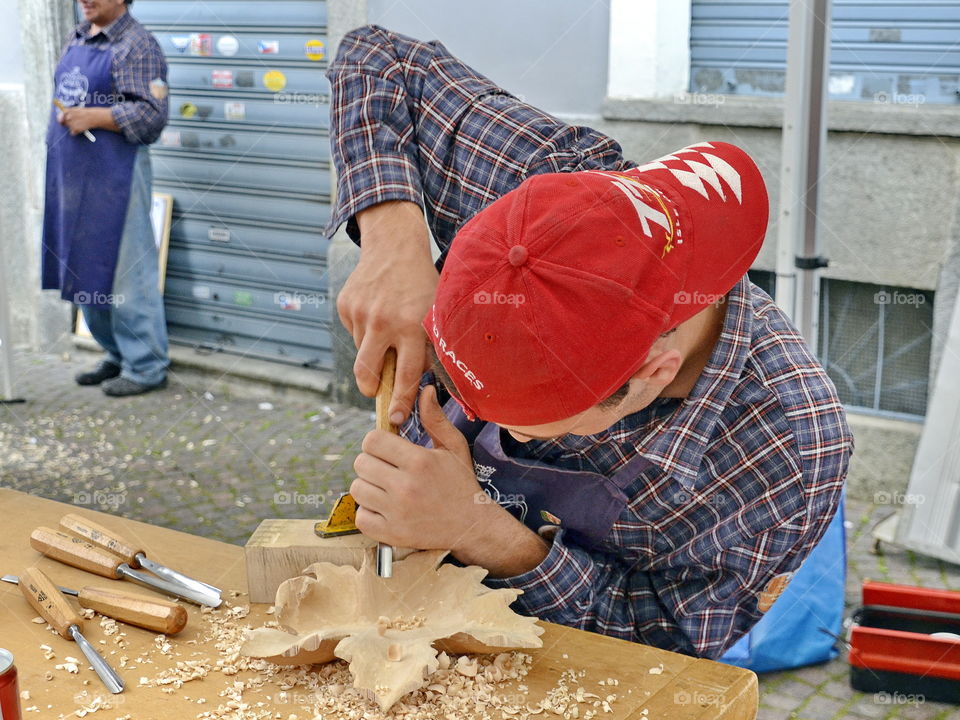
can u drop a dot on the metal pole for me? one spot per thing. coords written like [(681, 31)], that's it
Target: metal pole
[(6, 343), (804, 140)]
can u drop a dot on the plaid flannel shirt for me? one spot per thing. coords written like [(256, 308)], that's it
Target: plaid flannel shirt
[(747, 471), (137, 61)]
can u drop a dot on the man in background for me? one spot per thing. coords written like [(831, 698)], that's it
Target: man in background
[(99, 248)]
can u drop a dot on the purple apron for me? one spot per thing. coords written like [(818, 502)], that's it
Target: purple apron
[(87, 185), (541, 496)]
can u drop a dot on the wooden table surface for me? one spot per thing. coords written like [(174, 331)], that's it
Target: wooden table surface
[(687, 688)]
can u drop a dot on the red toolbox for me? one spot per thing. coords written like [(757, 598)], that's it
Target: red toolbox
[(893, 648)]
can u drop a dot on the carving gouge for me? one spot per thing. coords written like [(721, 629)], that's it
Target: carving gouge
[(46, 599), (97, 534), (77, 552), (161, 616), (384, 393)]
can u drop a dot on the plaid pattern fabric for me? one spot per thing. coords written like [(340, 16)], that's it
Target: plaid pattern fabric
[(137, 61), (411, 122), (747, 470)]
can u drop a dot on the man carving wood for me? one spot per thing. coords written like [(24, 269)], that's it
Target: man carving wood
[(663, 447)]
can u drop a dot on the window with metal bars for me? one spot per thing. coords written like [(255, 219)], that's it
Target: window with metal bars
[(875, 343)]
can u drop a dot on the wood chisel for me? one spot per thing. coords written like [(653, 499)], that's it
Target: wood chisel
[(63, 108), (97, 534), (46, 599), (384, 393), (342, 519), (77, 552), (158, 615)]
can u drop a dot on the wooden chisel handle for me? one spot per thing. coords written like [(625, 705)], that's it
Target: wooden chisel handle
[(385, 392), (161, 616), (98, 535), (75, 551), (46, 599)]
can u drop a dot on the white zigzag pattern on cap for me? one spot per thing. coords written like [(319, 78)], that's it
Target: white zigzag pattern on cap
[(705, 167), (646, 213)]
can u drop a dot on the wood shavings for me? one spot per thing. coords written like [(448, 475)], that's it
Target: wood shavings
[(261, 690), (38, 621), (467, 666), (95, 703), (656, 670), (109, 625), (48, 653), (160, 643)]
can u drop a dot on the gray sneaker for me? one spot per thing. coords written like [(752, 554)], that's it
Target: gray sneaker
[(122, 387)]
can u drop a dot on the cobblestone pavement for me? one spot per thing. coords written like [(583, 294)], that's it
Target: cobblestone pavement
[(215, 465)]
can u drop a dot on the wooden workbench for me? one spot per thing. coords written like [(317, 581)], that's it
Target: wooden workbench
[(686, 689)]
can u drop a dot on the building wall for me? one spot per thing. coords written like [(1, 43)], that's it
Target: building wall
[(11, 51), (35, 31), (552, 53)]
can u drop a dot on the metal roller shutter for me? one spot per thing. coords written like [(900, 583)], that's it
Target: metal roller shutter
[(894, 52), (246, 157)]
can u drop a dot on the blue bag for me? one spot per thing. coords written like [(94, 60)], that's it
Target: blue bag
[(789, 634)]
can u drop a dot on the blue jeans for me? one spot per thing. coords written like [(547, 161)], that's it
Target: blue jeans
[(133, 330)]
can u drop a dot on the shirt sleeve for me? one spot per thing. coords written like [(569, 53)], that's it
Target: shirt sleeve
[(697, 609), (409, 121), (142, 112)]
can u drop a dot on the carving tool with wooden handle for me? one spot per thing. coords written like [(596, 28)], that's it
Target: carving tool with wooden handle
[(46, 599), (161, 616), (384, 393), (77, 552), (342, 518), (63, 108), (97, 534)]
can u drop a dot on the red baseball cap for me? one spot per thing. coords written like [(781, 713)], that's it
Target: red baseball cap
[(551, 296)]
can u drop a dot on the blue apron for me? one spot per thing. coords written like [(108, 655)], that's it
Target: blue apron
[(87, 185), (542, 496)]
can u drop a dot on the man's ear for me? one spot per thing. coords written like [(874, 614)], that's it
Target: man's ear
[(660, 369)]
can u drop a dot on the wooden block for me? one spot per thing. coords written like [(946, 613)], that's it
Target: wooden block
[(281, 549)]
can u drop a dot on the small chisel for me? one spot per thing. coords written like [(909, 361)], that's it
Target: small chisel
[(97, 534), (161, 616), (46, 599), (77, 552)]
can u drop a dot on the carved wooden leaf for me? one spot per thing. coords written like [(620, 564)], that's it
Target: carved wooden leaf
[(390, 630)]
